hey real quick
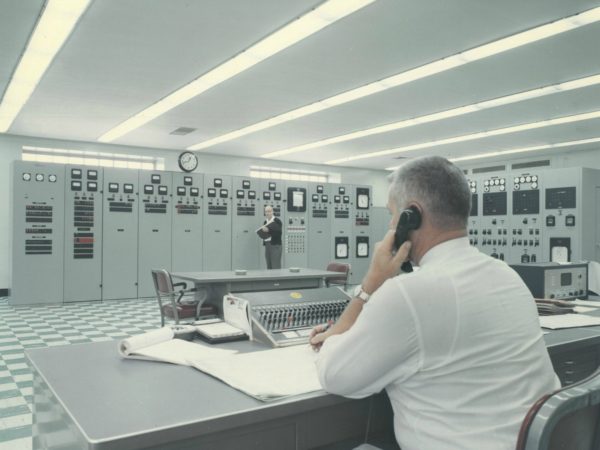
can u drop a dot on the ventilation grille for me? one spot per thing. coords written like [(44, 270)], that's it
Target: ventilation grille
[(489, 169), (182, 131), (525, 165)]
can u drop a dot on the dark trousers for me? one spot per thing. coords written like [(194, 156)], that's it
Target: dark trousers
[(273, 256)]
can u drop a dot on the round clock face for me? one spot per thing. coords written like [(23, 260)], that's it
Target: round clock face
[(188, 161)]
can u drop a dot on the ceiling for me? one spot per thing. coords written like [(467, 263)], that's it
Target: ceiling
[(123, 56)]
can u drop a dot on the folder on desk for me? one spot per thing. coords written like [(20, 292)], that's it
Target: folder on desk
[(215, 331)]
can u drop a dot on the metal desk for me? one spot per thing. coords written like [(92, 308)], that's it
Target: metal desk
[(212, 286), (87, 397)]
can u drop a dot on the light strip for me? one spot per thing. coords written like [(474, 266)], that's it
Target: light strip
[(312, 22), (526, 149), (455, 112), (473, 136), (439, 66), (51, 31)]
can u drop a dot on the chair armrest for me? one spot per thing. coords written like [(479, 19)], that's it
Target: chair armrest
[(181, 283), (182, 292)]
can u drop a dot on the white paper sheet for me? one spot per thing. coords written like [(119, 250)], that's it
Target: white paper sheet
[(589, 303), (236, 312), (568, 321), (594, 276), (159, 345), (268, 374)]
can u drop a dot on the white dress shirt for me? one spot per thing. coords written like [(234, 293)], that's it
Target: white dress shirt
[(456, 344)]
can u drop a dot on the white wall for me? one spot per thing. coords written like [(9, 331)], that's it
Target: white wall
[(586, 158), (10, 150)]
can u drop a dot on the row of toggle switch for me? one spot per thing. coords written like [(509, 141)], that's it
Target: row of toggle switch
[(286, 317), (504, 242)]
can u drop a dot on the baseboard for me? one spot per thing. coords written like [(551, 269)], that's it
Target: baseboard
[(4, 292)]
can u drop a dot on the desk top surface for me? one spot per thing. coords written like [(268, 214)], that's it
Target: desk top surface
[(228, 276), (112, 398)]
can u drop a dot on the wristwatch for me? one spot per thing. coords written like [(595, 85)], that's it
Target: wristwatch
[(360, 293)]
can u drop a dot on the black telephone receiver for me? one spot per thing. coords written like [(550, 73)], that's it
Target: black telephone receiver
[(410, 219)]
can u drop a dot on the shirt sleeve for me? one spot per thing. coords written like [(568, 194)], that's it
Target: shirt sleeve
[(274, 226), (380, 348)]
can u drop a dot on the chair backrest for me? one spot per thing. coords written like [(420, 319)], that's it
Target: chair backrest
[(568, 419), (163, 284), (338, 267)]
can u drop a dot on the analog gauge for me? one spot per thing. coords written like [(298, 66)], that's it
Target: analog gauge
[(517, 187), (516, 180), (188, 161), (522, 179), (363, 201), (496, 182), (502, 187), (26, 176), (52, 178), (534, 178), (502, 181), (534, 185), (486, 189), (39, 177), (528, 179), (486, 183)]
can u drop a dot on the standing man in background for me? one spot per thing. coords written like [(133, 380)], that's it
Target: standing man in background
[(272, 228)]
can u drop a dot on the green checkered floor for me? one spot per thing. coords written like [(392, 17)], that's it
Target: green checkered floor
[(26, 327)]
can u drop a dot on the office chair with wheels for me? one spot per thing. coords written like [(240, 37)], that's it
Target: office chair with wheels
[(567, 419), (177, 305), (344, 270)]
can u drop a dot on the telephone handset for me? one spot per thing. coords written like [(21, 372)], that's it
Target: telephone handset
[(410, 219)]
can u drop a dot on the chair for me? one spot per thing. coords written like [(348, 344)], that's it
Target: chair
[(178, 306), (567, 419), (338, 267)]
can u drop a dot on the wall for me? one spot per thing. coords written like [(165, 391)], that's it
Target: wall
[(586, 158), (10, 150)]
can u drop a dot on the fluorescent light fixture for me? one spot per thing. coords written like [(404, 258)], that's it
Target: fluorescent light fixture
[(435, 67), (473, 136), (303, 27), (51, 31), (500, 101), (526, 149), (518, 150)]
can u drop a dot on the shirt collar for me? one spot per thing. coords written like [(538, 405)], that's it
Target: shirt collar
[(446, 248)]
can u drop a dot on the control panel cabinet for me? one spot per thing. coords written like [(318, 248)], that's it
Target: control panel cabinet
[(571, 214), (217, 222), (187, 220), (37, 233), (295, 226), (83, 234), (271, 193), (319, 225), (525, 224), (493, 220), (120, 234), (361, 247), (154, 241), (473, 228), (380, 222), (341, 223), (247, 217)]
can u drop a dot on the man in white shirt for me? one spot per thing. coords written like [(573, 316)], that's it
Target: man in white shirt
[(457, 344)]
